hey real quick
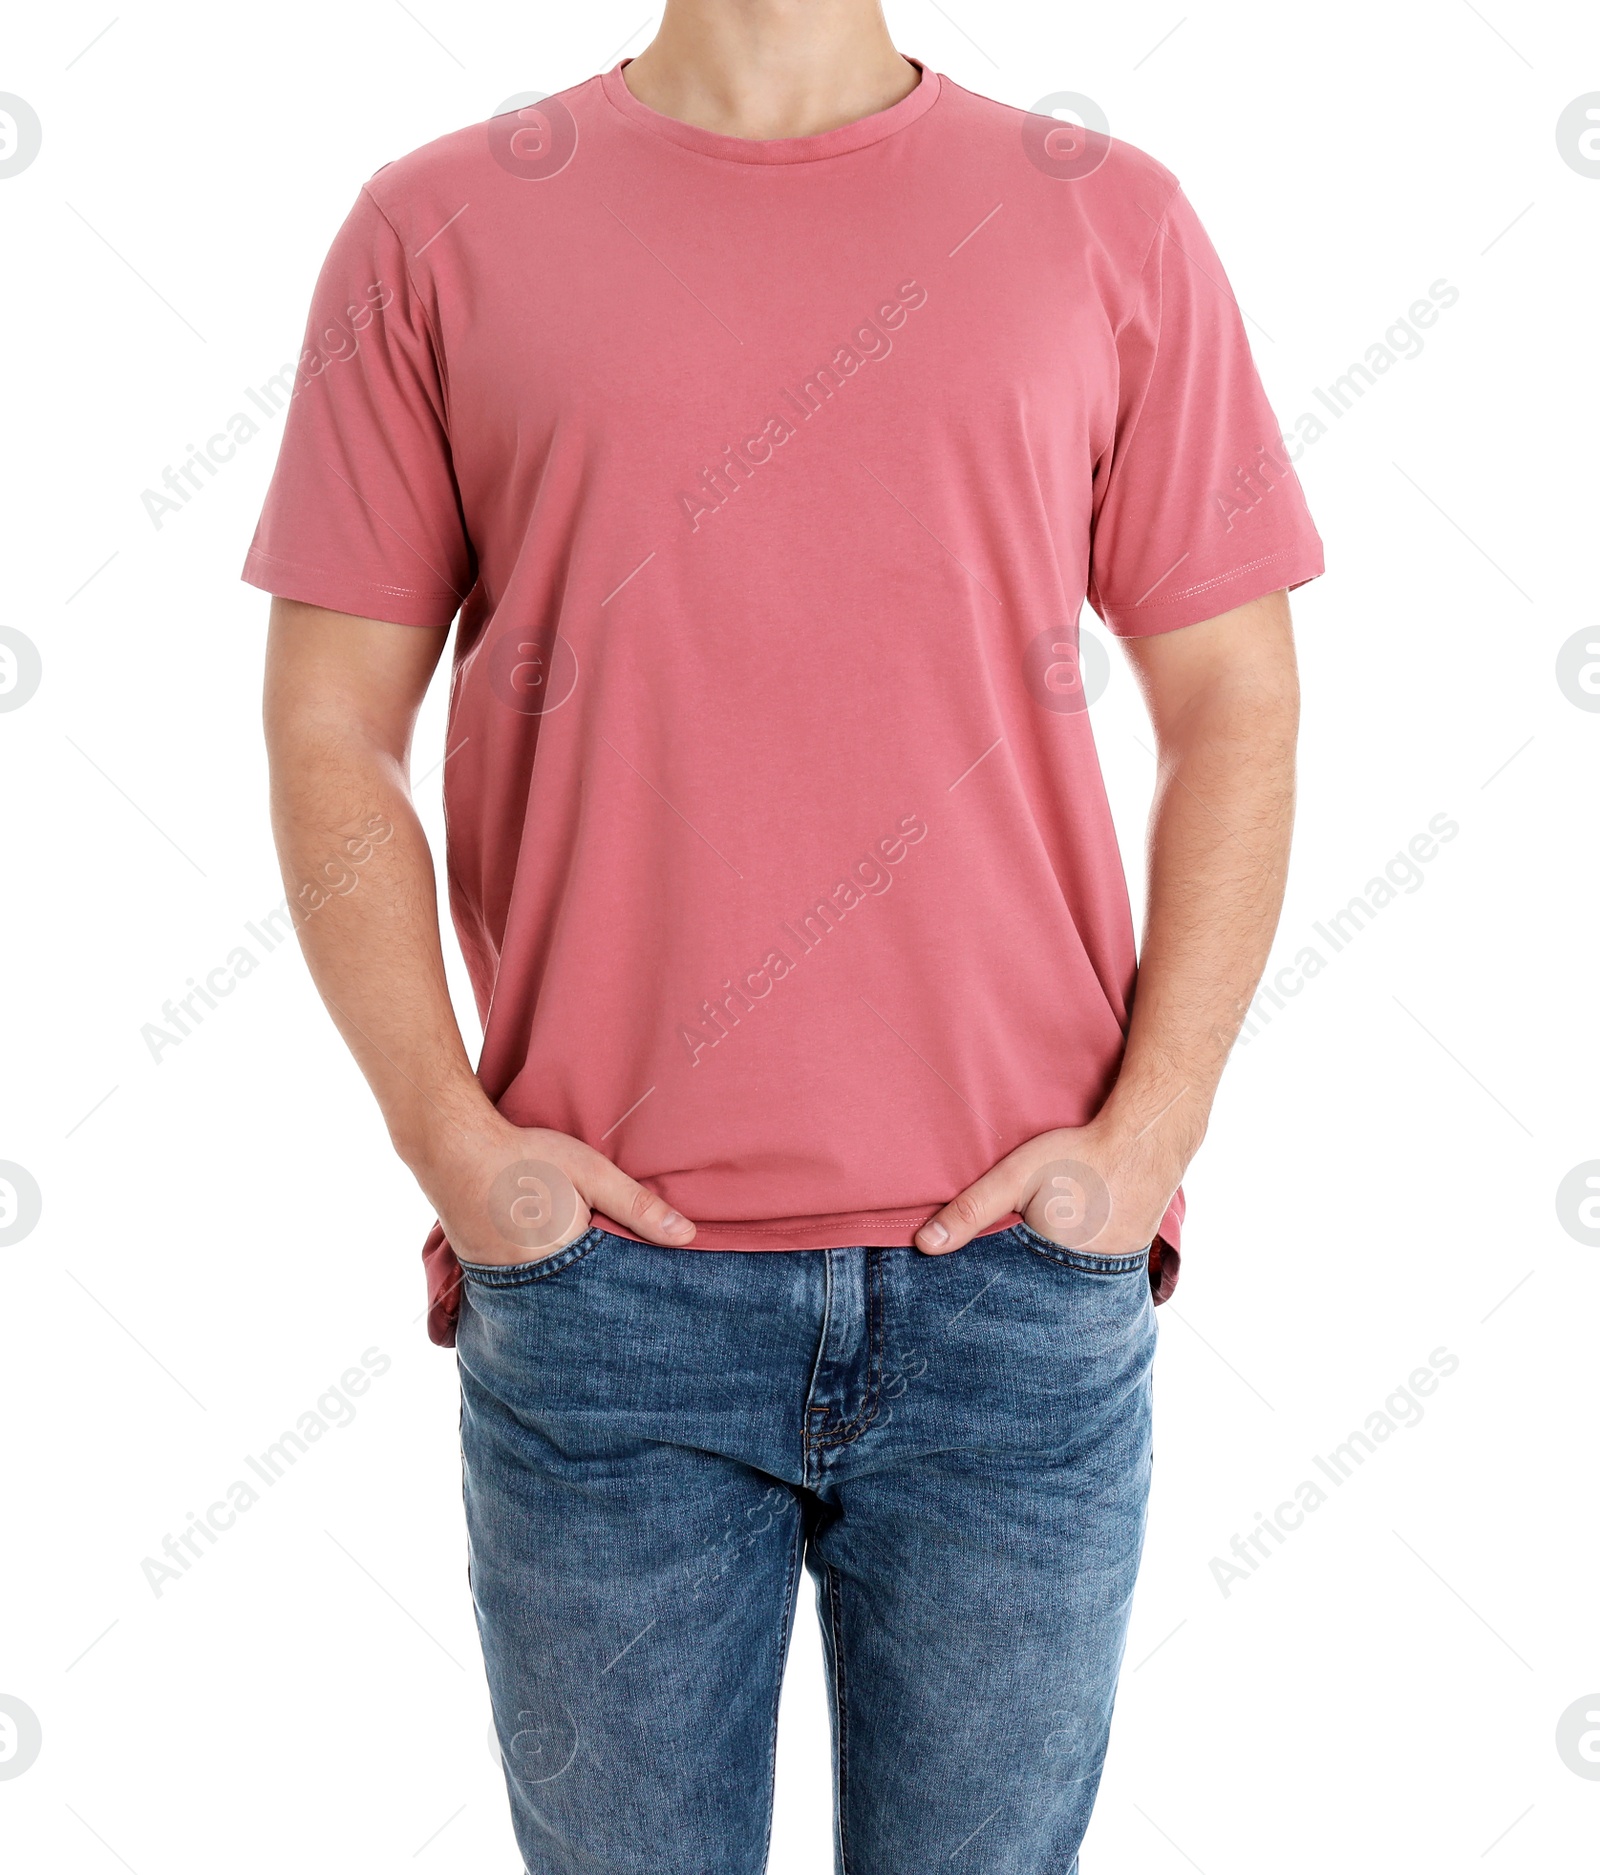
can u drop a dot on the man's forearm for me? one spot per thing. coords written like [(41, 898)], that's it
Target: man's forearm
[(358, 871), (1218, 856), (360, 878)]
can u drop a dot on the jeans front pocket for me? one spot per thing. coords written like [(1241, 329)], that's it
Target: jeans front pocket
[(536, 1269), (1090, 1262)]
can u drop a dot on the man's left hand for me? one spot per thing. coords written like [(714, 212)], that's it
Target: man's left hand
[(1094, 1187)]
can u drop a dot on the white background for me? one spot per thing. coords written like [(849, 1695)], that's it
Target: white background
[(226, 1231)]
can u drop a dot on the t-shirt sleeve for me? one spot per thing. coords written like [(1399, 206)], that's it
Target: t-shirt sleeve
[(363, 514), (1197, 508)]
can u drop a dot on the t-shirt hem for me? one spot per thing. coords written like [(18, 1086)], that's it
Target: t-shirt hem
[(338, 592), (872, 1230), (1283, 570)]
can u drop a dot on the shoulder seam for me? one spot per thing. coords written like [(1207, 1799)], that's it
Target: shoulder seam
[(1160, 220), (421, 301)]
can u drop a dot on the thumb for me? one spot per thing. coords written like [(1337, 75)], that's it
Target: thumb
[(971, 1213), (605, 1187)]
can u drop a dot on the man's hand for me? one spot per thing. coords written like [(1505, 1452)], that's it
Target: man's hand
[(1092, 1187), (512, 1194)]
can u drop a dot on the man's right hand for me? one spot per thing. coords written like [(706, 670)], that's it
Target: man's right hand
[(513, 1194)]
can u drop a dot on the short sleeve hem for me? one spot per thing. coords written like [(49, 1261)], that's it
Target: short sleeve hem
[(338, 592), (1284, 569)]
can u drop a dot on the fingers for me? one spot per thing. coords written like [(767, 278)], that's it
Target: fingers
[(971, 1213), (581, 1221), (608, 1189)]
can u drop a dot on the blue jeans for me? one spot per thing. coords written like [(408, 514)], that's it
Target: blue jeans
[(957, 1448)]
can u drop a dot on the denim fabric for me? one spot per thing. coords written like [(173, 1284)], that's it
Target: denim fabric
[(957, 1448)]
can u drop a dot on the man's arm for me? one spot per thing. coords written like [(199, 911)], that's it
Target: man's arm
[(1224, 699), (341, 701)]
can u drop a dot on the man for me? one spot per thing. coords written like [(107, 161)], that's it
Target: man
[(766, 408)]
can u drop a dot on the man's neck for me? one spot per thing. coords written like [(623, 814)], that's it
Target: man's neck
[(770, 68)]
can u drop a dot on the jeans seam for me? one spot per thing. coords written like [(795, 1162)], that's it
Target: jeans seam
[(852, 1429), (536, 1273), (785, 1627), (817, 1415), (1129, 1263), (840, 1706)]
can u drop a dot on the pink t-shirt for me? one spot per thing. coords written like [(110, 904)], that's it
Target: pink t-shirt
[(767, 480)]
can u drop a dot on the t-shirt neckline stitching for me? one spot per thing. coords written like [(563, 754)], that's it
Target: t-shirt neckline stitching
[(844, 139)]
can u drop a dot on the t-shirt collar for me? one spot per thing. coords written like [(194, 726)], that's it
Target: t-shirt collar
[(837, 142)]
